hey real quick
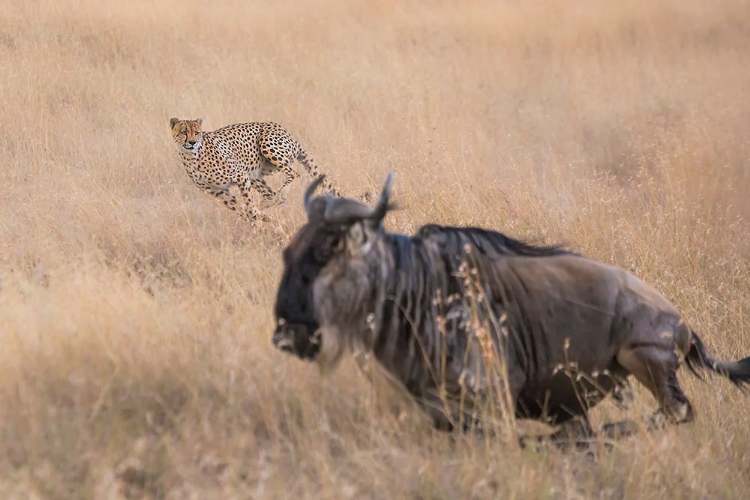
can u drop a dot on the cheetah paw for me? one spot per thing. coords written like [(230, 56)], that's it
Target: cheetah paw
[(266, 203), (281, 196)]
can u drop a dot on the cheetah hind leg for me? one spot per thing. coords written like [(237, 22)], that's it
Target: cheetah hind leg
[(270, 197), (289, 175)]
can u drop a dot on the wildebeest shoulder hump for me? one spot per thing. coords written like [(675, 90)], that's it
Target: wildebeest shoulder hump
[(453, 239)]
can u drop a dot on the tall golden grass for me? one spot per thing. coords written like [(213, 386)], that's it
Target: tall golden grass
[(136, 313)]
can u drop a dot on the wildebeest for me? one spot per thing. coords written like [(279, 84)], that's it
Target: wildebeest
[(432, 306)]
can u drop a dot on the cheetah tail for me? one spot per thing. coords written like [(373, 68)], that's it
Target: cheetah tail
[(314, 172)]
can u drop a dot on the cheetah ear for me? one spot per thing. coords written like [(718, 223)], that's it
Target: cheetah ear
[(200, 121), (173, 122)]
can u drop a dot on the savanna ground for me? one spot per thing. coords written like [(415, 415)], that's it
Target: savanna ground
[(136, 313)]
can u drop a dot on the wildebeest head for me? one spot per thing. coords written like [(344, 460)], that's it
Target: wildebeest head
[(332, 268)]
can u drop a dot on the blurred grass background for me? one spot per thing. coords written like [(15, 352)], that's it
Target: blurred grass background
[(136, 359)]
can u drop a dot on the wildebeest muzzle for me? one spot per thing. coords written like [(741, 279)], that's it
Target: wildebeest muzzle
[(298, 339)]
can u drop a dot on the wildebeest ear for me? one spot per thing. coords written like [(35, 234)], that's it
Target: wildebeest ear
[(356, 233), (173, 122)]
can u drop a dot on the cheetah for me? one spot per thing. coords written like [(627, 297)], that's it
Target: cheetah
[(241, 155)]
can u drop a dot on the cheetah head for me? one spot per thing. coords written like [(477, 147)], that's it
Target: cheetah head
[(188, 134)]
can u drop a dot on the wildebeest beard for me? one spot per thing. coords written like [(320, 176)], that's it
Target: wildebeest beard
[(297, 329), (313, 248)]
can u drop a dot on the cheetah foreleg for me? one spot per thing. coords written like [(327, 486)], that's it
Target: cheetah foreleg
[(251, 212), (266, 191), (223, 195), (255, 215)]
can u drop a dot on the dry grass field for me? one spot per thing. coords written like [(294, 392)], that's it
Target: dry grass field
[(136, 312)]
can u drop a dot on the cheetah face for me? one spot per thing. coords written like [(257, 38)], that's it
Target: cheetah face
[(187, 134)]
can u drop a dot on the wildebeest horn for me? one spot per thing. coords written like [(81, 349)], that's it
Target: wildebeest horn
[(343, 210), (309, 192), (384, 199)]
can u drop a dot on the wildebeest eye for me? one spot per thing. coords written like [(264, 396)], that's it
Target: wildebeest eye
[(331, 245)]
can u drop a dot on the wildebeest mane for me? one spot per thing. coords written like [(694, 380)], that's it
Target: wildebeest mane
[(424, 322), (452, 239)]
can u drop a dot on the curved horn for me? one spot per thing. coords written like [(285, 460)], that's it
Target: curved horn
[(385, 194), (342, 210), (309, 192)]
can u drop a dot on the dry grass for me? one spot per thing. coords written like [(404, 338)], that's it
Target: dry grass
[(136, 313)]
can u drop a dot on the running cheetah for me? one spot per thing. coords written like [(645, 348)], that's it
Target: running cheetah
[(241, 154)]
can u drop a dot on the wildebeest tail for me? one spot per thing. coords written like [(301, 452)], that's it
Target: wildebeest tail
[(698, 358)]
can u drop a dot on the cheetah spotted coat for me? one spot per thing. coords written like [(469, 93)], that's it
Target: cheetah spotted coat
[(241, 155)]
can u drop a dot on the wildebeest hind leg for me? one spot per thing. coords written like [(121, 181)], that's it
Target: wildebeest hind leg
[(656, 368)]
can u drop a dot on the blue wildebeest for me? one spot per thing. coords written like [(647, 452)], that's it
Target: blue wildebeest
[(568, 329)]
